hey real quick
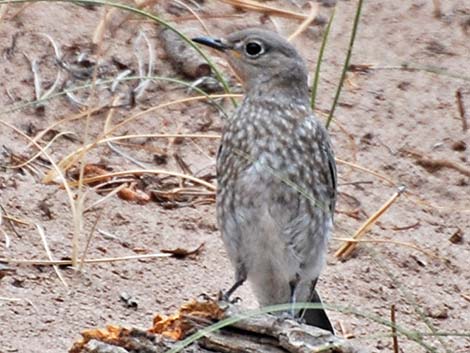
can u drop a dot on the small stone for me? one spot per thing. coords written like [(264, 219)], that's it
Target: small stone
[(457, 237), (459, 146), (439, 311)]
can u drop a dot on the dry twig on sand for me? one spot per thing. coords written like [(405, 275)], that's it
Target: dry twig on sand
[(235, 332), (462, 112), (348, 248), (270, 10), (431, 164)]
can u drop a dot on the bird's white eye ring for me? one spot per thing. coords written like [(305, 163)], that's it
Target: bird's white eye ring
[(254, 49)]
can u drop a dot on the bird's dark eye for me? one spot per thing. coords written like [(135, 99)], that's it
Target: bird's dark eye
[(253, 49)]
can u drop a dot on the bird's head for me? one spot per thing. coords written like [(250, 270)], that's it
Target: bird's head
[(262, 59)]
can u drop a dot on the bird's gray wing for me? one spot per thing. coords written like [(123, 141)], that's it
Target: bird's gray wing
[(331, 173)]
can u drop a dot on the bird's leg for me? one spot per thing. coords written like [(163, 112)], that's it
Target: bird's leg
[(241, 276), (292, 300), (227, 294)]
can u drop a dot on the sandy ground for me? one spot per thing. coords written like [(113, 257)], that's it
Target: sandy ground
[(383, 114)]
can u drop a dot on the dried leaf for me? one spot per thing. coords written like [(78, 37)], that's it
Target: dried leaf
[(177, 326), (134, 195), (181, 253)]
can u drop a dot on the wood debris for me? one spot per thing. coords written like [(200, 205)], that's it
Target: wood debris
[(262, 333)]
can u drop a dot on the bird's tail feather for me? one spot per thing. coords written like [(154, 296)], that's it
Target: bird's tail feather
[(317, 317)]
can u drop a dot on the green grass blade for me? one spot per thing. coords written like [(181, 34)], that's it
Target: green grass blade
[(320, 59), (346, 62)]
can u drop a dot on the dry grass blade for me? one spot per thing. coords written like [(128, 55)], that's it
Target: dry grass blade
[(37, 77), (107, 125), (144, 171), (270, 10), (9, 299), (304, 25), (394, 329), (86, 261), (395, 242), (100, 30), (78, 116), (73, 157), (184, 191), (58, 57), (40, 230), (144, 82), (88, 241), (349, 247), (462, 112), (108, 196), (364, 169), (432, 164), (54, 165), (45, 148), (194, 13)]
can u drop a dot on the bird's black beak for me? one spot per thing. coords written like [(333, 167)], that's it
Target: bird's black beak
[(212, 42)]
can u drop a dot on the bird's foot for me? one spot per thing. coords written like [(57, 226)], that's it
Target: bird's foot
[(285, 315), (208, 297), (225, 297)]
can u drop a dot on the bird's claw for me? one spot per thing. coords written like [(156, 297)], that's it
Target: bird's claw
[(225, 298), (206, 297)]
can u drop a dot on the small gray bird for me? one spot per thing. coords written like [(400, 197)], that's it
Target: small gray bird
[(276, 175)]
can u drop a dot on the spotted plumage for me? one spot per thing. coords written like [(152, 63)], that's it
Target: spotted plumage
[(276, 175)]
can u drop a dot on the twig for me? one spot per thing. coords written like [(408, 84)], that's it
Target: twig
[(194, 13), (126, 156), (256, 6), (348, 248), (109, 195), (345, 331), (9, 299), (461, 106), (410, 67), (303, 26), (364, 169), (394, 329), (56, 168), (11, 221), (145, 171), (82, 261), (435, 164), (39, 153), (100, 29), (72, 158), (40, 230), (396, 242), (107, 128), (86, 261)]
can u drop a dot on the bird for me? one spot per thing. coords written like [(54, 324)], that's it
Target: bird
[(276, 175)]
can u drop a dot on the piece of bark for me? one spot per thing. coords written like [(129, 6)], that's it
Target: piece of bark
[(262, 333), (182, 56)]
